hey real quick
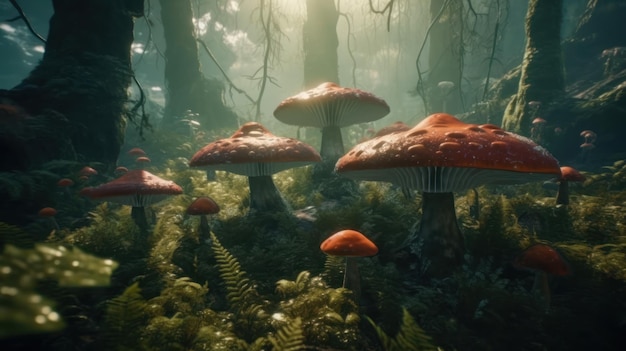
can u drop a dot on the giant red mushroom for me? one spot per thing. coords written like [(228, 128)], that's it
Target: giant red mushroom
[(349, 244), (439, 156), (254, 152), (330, 107), (137, 188)]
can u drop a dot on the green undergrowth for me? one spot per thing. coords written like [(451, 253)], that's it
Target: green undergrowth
[(262, 283)]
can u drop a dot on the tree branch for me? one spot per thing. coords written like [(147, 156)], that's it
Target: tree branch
[(25, 19)]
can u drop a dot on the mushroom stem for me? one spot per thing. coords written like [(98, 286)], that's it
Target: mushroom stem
[(562, 195), (542, 286), (203, 230), (264, 196), (139, 216), (332, 144), (440, 239), (351, 277)]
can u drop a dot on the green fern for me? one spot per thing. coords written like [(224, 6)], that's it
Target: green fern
[(241, 293), (124, 314), (239, 289), (411, 336), (289, 338), (10, 234)]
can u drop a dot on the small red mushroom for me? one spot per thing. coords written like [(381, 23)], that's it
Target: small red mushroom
[(87, 172), (136, 152), (349, 244), (203, 206), (137, 188), (568, 174), (543, 260), (49, 213), (142, 161)]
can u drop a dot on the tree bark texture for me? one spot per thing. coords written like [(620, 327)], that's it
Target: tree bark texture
[(320, 43), (188, 91), (542, 76), (82, 80)]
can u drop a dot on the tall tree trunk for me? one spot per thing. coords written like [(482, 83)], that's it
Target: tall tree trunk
[(188, 91), (542, 77), (320, 43), (446, 50), (72, 106), (83, 78)]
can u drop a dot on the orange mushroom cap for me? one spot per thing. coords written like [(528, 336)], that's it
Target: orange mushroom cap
[(570, 174), (203, 206), (349, 243), (542, 257), (443, 154)]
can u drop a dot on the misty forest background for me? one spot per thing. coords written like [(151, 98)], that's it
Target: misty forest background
[(90, 79)]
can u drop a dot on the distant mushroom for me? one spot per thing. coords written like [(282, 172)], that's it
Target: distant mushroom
[(439, 156), (568, 174), (65, 184), (203, 206), (49, 213), (87, 172), (537, 129), (350, 244), (330, 107), (142, 161), (137, 188), (254, 152), (543, 260), (136, 152)]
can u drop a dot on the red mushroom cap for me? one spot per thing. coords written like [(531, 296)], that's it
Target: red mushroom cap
[(203, 206), (137, 188), (328, 104), (570, 174), (87, 171), (47, 212), (137, 152), (542, 257), (142, 159), (443, 154), (253, 151), (65, 182), (349, 243)]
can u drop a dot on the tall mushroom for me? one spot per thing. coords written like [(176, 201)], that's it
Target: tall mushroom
[(568, 174), (330, 107), (350, 244), (254, 152), (137, 188), (439, 156)]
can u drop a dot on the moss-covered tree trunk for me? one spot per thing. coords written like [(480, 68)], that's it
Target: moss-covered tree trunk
[(320, 43), (446, 50), (83, 79), (188, 91), (542, 77), (72, 106)]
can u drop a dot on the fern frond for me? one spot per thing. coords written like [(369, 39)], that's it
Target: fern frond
[(288, 338), (124, 315), (240, 291), (411, 336)]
